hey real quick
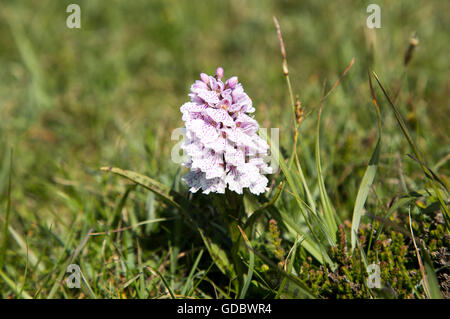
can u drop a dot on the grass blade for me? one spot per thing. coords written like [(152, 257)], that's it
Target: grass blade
[(433, 284), (8, 209), (303, 288), (363, 192), (368, 177), (166, 284), (416, 150), (13, 285), (430, 283), (175, 199), (188, 283), (251, 266), (164, 192), (219, 256), (74, 255), (328, 209), (291, 265)]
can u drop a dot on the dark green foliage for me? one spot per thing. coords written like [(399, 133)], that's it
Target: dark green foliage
[(395, 254)]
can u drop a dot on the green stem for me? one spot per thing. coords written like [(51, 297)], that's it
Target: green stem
[(233, 217)]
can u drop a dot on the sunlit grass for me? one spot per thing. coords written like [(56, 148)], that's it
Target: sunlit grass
[(73, 101)]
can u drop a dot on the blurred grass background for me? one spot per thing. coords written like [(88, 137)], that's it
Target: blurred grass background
[(73, 100)]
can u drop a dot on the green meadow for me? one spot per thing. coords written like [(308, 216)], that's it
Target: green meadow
[(365, 183)]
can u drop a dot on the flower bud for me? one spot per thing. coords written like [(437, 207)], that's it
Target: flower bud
[(219, 73), (204, 77), (231, 82)]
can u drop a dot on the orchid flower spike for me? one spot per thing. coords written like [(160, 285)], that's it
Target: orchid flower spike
[(222, 144)]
